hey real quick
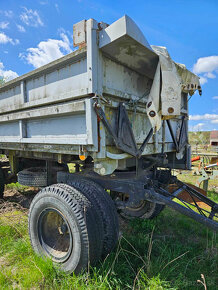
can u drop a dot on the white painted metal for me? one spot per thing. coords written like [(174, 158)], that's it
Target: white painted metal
[(53, 105), (79, 33)]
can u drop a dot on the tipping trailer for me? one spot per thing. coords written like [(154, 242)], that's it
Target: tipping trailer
[(117, 108)]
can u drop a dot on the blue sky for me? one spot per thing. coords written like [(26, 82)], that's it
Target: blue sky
[(35, 32)]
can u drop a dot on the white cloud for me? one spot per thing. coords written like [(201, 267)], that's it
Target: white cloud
[(197, 127), (7, 13), (7, 75), (210, 75), (31, 17), (21, 28), (47, 51), (215, 98), (206, 120), (203, 117), (203, 80), (4, 25), (206, 67), (4, 39), (206, 64)]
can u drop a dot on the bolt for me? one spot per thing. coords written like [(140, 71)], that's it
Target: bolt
[(152, 114), (170, 110)]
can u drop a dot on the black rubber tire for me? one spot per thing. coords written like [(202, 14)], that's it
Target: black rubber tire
[(105, 206), (81, 220), (37, 176), (2, 183), (34, 176), (98, 218), (145, 210)]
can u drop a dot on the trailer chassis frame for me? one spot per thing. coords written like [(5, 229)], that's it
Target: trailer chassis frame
[(144, 187)]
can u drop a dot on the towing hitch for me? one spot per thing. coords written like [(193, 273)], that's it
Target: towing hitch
[(197, 206)]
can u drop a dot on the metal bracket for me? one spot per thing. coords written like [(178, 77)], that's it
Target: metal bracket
[(124, 137), (181, 141)]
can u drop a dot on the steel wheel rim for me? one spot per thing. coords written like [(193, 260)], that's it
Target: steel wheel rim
[(55, 235), (140, 206), (142, 210)]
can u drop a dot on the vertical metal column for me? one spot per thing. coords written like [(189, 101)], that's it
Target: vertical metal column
[(49, 171)]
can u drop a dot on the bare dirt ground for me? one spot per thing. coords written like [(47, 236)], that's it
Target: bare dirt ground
[(23, 199)]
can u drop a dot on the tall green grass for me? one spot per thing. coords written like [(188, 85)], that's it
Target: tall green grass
[(169, 252)]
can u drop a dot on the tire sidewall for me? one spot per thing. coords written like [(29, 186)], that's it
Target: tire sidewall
[(76, 258), (105, 206), (33, 177)]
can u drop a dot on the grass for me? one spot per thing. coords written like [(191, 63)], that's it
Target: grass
[(190, 178), (212, 192), (17, 186), (169, 252)]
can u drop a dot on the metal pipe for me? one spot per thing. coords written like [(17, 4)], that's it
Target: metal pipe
[(176, 206)]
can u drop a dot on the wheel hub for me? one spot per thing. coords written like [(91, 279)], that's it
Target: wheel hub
[(55, 235)]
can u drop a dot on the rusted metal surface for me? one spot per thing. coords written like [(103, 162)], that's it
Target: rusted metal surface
[(79, 33), (185, 195)]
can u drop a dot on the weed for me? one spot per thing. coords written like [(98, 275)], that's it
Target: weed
[(169, 252)]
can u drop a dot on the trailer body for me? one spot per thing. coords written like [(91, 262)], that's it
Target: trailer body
[(49, 111)]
